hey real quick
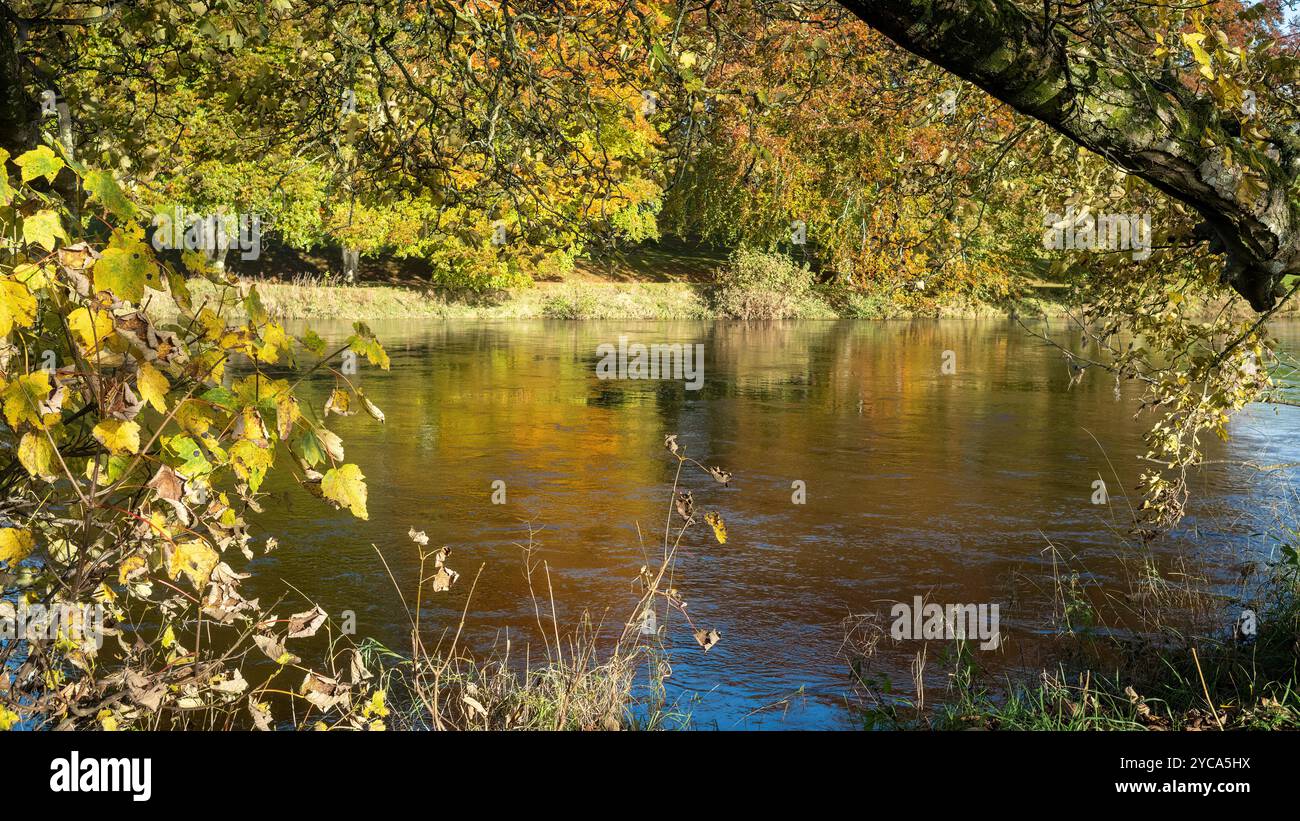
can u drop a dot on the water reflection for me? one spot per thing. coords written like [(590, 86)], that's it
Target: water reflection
[(917, 483)]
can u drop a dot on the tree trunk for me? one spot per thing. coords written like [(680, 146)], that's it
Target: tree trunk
[(351, 262), (1144, 124), (18, 112), (21, 119)]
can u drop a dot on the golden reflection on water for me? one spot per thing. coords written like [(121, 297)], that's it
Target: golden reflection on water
[(917, 483)]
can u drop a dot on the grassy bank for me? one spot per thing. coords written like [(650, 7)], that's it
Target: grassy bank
[(653, 282), (319, 298), (1198, 684)]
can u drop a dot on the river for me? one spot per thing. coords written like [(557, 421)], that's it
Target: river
[(935, 459)]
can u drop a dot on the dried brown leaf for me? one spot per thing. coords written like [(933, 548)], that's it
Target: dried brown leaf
[(707, 638)]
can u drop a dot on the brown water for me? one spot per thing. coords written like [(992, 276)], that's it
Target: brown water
[(919, 483)]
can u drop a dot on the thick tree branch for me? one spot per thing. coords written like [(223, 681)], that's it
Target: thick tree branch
[(1143, 124)]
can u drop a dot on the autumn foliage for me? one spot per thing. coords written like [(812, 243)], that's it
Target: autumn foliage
[(141, 443)]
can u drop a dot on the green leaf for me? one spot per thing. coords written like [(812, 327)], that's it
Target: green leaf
[(659, 54), (308, 448), (188, 457), (104, 189), (312, 342), (221, 397)]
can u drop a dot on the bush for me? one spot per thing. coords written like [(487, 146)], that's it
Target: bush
[(852, 302), (578, 304), (761, 285)]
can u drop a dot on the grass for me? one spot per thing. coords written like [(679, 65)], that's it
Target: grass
[(1177, 670), (580, 681), (668, 280), (311, 297), (1191, 688), (594, 676)]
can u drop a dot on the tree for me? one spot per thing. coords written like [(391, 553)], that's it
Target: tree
[(892, 169), (490, 139), (1155, 89)]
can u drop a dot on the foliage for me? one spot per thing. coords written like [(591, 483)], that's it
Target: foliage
[(896, 175), (141, 447), (410, 129), (761, 285)]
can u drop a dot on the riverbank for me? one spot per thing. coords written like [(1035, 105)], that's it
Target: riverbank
[(661, 281), (650, 283), (319, 298)]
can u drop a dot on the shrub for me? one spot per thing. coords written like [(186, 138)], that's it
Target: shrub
[(577, 304), (761, 285)]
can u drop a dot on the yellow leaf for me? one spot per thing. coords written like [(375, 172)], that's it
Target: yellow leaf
[(107, 720), (195, 560), (346, 486), (375, 706), (35, 277), (17, 306), (251, 462), (104, 594), (339, 402), (22, 398), (37, 455), (194, 417), (131, 567), (213, 325), (6, 197), (39, 162), (1193, 41), (125, 268), (152, 387), (274, 341), (16, 544), (91, 329), (43, 228), (287, 414), (118, 436), (719, 526)]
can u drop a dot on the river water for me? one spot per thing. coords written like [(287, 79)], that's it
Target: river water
[(917, 480)]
